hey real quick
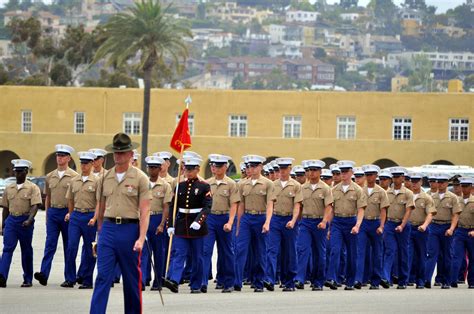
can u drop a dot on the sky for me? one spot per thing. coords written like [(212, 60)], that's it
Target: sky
[(442, 5)]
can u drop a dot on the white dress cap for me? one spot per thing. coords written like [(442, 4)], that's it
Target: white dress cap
[(219, 158), (188, 154), (21, 163), (334, 167), (298, 169), (192, 161), (385, 173), (255, 159), (63, 148), (315, 163), (344, 164), (326, 173), (242, 166), (154, 160), (443, 177), (87, 156), (371, 169), (398, 170), (163, 155), (98, 152), (284, 161), (466, 180), (416, 175)]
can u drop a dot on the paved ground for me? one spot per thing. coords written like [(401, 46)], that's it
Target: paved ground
[(54, 299)]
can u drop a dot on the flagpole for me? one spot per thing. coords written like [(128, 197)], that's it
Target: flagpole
[(188, 101)]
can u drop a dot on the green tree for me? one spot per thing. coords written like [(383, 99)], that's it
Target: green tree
[(3, 75), (415, 4), (464, 16), (346, 4), (145, 31), (319, 53), (201, 11), (420, 73), (386, 13)]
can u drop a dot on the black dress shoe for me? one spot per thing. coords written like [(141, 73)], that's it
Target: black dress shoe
[(445, 286), (288, 289), (471, 287), (420, 287), (247, 283), (461, 282), (268, 286), (428, 285), (372, 287), (317, 289), (84, 287), (332, 284), (437, 284), (385, 284), (195, 291), (185, 281), (147, 283), (358, 285), (219, 287), (410, 284), (112, 285), (299, 285), (349, 288), (41, 278), (281, 286), (401, 287), (395, 280), (26, 285), (365, 284), (454, 285), (204, 289), (252, 286), (170, 284), (155, 288), (67, 284), (227, 290), (117, 280), (3, 282), (258, 290), (79, 280), (237, 288), (143, 288)]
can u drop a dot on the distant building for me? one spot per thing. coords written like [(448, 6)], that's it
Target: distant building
[(411, 21), (350, 16), (211, 81), (398, 82), (301, 16), (230, 11)]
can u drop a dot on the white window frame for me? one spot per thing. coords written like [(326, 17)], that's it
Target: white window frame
[(458, 125), (292, 121), (402, 124), (241, 125), (190, 122), (76, 124), (346, 123), (134, 118), (23, 121)]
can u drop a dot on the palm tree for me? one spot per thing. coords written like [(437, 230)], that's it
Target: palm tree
[(146, 32)]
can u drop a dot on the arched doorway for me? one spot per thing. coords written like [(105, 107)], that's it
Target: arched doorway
[(50, 163), (270, 159), (173, 169), (207, 169), (442, 162), (329, 161), (385, 163), (6, 168), (232, 169), (109, 161)]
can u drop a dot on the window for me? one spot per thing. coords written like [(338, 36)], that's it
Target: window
[(238, 125), (190, 122), (459, 129), (26, 121), (292, 126), (132, 123), (346, 128), (402, 129), (79, 122)]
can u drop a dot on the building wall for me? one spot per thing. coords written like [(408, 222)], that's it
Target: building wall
[(53, 114)]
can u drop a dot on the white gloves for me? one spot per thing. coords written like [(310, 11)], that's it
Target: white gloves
[(170, 232), (195, 226)]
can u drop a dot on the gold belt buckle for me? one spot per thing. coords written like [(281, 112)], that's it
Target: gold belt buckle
[(118, 220)]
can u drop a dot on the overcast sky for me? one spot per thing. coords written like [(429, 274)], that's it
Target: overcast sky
[(442, 5)]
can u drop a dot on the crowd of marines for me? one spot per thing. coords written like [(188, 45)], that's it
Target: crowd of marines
[(281, 225)]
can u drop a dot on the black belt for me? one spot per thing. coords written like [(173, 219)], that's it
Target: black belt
[(394, 220), (120, 220), (345, 215), (312, 216), (416, 224), (466, 227), (441, 222), (283, 214)]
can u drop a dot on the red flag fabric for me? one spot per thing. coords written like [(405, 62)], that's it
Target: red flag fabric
[(181, 138)]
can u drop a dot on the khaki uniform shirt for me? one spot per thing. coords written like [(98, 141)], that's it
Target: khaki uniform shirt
[(347, 204), (314, 202), (286, 197), (377, 200), (84, 194), (399, 202), (58, 187), (224, 194), (256, 197), (122, 199), (424, 205), (466, 218), (99, 175), (168, 179), (19, 201), (161, 194), (447, 206)]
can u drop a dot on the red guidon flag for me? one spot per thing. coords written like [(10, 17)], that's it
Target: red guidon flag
[(181, 139)]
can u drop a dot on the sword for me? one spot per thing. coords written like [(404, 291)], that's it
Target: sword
[(153, 266)]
